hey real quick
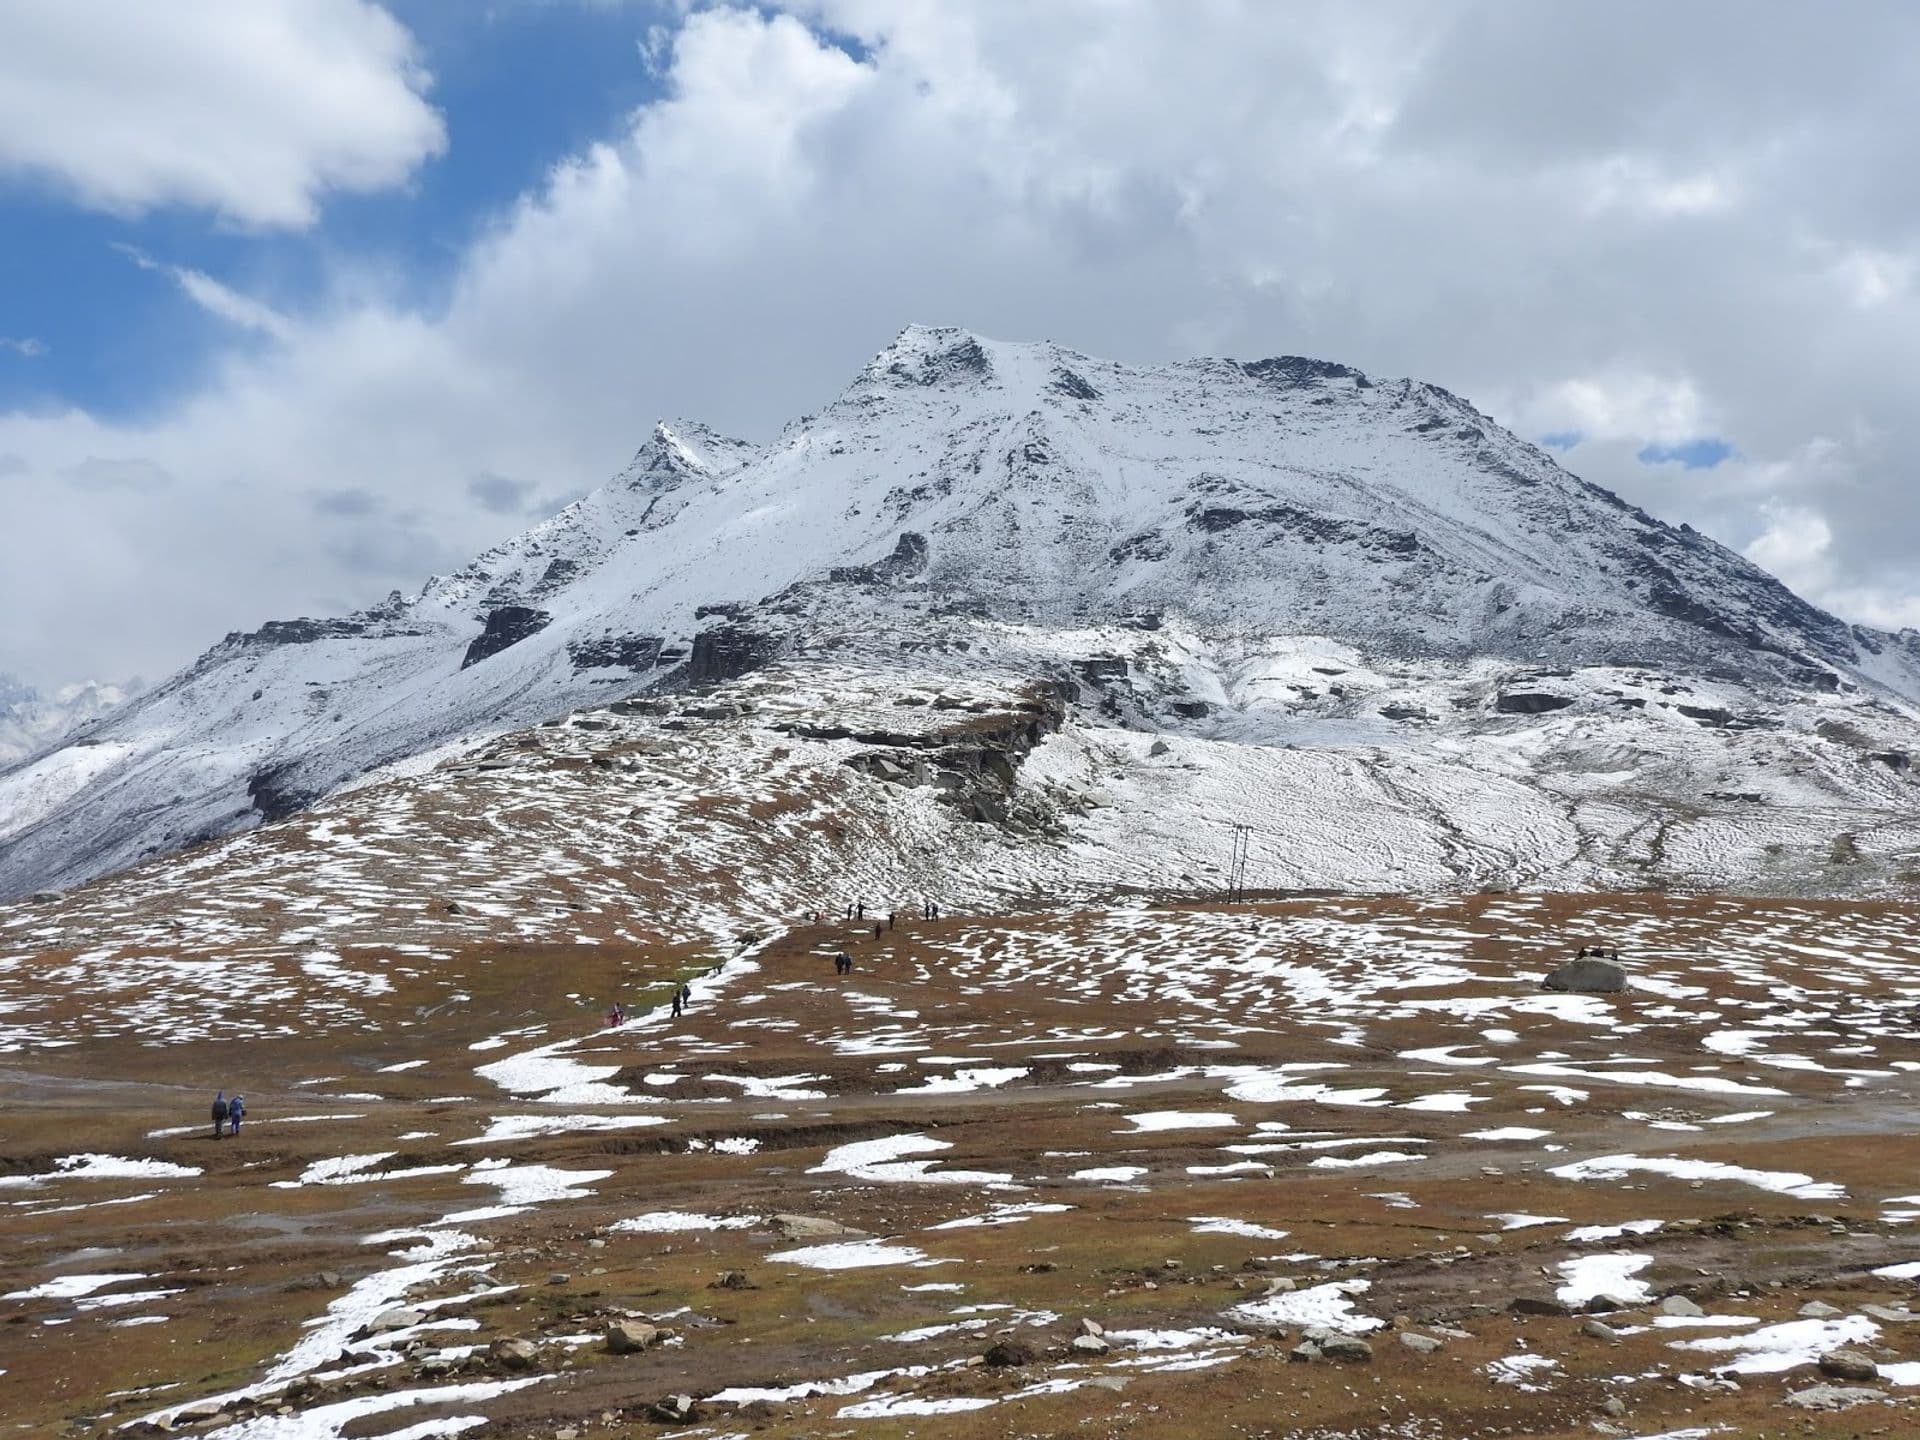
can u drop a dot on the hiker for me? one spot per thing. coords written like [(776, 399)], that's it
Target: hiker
[(677, 1003), (1583, 953), (849, 914), (860, 911), (892, 915), (236, 1112), (876, 930), (220, 1115)]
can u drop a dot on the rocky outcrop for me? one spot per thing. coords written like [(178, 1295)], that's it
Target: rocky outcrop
[(637, 653), (1530, 702), (727, 652), (909, 558), (1588, 977), (506, 626)]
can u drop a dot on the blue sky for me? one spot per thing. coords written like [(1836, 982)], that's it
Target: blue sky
[(308, 302), (520, 86)]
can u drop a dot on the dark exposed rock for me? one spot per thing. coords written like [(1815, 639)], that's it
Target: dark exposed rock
[(1308, 524), (727, 652), (1005, 1354), (616, 652), (1300, 370), (1073, 386), (1588, 977), (506, 626), (276, 793), (1896, 760), (1705, 714), (1102, 670), (1530, 702), (1537, 1305), (909, 558), (1192, 709)]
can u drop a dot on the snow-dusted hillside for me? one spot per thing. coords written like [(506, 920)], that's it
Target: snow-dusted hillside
[(31, 722), (1284, 553)]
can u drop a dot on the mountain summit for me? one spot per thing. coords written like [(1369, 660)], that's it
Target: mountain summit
[(1276, 553)]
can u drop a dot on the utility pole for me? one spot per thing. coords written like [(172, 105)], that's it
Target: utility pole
[(1237, 868)]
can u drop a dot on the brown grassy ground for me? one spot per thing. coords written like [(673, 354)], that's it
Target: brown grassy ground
[(253, 1262)]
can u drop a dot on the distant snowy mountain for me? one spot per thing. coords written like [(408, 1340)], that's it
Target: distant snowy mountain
[(30, 721), (1208, 549)]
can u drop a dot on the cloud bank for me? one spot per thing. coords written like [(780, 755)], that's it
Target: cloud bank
[(1676, 239)]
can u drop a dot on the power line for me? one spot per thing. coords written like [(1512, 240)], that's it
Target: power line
[(1237, 868)]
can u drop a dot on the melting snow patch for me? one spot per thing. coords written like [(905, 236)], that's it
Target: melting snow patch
[(1110, 1174), (1178, 1120), (526, 1127), (69, 1287), (1330, 1305), (1524, 1222), (1781, 1182), (850, 1255), (1589, 1276), (670, 1222), (1781, 1347), (1584, 1234), (1517, 1370), (1508, 1132), (882, 1160), (1227, 1225)]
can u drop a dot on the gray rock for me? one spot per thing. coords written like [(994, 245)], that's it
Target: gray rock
[(1006, 1354), (1600, 1330), (1888, 1315), (1346, 1347), (1848, 1365), (630, 1337), (1537, 1305), (1091, 1327), (1680, 1305), (809, 1227), (1089, 1345), (1588, 977), (1834, 1397), (1614, 1406), (1420, 1344), (558, 1277), (1304, 1352), (400, 1317), (1115, 1383), (1280, 1285), (514, 1354), (1819, 1310)]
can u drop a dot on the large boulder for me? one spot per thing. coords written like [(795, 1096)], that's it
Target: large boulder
[(1588, 977)]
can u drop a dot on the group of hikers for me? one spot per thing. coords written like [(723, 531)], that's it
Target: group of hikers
[(227, 1111), (682, 998), (1595, 952)]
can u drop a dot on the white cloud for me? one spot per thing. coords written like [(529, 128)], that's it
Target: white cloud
[(249, 110), (1383, 185), (25, 346), (216, 298)]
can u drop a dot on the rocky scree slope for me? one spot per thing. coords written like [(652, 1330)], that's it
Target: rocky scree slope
[(981, 507)]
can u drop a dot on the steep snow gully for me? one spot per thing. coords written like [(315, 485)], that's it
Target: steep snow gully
[(1300, 576)]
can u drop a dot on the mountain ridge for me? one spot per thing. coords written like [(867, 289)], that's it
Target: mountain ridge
[(956, 485)]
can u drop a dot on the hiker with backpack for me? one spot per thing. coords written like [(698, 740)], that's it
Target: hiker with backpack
[(220, 1112), (236, 1112)]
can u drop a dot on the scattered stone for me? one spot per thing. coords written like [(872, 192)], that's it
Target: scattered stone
[(675, 1409), (1115, 1383), (1848, 1365), (1302, 1353), (1090, 1326), (1613, 1405), (1680, 1305), (1600, 1330), (558, 1277), (400, 1317), (1346, 1347), (328, 1279), (1588, 977), (1089, 1345), (1280, 1285), (1537, 1305), (1006, 1354), (732, 1280), (514, 1354), (1834, 1397), (810, 1227), (1887, 1314), (1819, 1310), (1420, 1344), (630, 1337)]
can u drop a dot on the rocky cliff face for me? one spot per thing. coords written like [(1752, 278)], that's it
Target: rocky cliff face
[(973, 507)]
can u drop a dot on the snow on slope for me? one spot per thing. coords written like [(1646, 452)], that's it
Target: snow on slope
[(31, 722), (959, 485)]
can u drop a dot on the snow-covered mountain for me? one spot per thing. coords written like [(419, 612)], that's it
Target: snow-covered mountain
[(31, 722), (1283, 553)]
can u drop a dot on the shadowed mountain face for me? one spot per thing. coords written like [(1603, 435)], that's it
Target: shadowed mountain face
[(1171, 547)]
